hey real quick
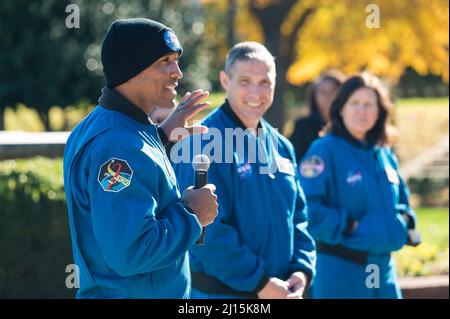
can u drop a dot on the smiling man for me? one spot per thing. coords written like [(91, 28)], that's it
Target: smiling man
[(258, 247), (130, 226)]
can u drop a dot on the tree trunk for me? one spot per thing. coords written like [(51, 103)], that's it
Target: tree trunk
[(43, 115), (271, 18), (2, 119), (276, 113), (282, 47), (231, 16)]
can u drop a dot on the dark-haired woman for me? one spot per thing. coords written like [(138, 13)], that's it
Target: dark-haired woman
[(358, 204), (321, 95)]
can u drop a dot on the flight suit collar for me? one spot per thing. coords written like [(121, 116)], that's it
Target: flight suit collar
[(114, 101), (226, 108), (349, 138)]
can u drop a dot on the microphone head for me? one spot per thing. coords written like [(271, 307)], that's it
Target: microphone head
[(201, 163)]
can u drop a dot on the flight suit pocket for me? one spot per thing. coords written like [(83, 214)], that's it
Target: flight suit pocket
[(164, 275)]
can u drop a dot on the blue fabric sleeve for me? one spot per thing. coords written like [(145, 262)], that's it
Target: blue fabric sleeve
[(223, 255), (136, 234), (304, 257), (327, 222), (373, 236), (403, 200)]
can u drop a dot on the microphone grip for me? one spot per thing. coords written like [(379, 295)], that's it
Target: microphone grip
[(201, 240), (200, 180)]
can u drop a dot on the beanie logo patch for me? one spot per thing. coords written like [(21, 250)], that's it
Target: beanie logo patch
[(171, 41)]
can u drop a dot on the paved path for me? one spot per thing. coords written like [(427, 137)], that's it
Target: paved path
[(432, 163), (27, 144), (427, 287)]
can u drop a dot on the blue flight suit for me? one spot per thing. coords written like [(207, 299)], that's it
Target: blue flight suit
[(346, 181), (260, 231), (130, 231)]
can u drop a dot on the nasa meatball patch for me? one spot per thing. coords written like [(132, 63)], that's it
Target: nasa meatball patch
[(171, 41)]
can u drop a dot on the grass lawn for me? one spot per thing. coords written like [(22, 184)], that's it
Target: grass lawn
[(432, 256)]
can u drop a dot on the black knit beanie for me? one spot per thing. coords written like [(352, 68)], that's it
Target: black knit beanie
[(131, 45)]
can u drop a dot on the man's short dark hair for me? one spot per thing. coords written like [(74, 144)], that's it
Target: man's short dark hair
[(247, 51)]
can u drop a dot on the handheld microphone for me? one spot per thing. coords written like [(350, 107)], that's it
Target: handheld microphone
[(201, 165)]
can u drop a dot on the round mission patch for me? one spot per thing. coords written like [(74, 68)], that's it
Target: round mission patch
[(312, 166)]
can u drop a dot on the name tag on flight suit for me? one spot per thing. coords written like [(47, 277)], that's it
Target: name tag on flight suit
[(392, 176), (285, 166)]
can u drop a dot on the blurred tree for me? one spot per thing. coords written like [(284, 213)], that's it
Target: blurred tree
[(282, 43), (219, 34), (308, 36), (44, 63), (412, 84), (232, 11)]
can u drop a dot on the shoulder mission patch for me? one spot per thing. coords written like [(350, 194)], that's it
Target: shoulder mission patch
[(312, 166), (115, 175)]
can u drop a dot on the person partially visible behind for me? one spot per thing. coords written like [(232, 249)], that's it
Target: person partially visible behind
[(358, 204), (321, 95)]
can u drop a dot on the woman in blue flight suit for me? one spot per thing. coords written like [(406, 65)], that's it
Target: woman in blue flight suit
[(358, 204)]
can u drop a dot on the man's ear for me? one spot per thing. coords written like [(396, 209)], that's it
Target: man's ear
[(224, 80)]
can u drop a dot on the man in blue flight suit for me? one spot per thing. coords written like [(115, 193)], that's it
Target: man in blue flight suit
[(130, 228), (258, 246)]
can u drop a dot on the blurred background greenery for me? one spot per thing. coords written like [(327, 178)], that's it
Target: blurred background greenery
[(36, 248), (51, 77), (430, 257), (44, 63)]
